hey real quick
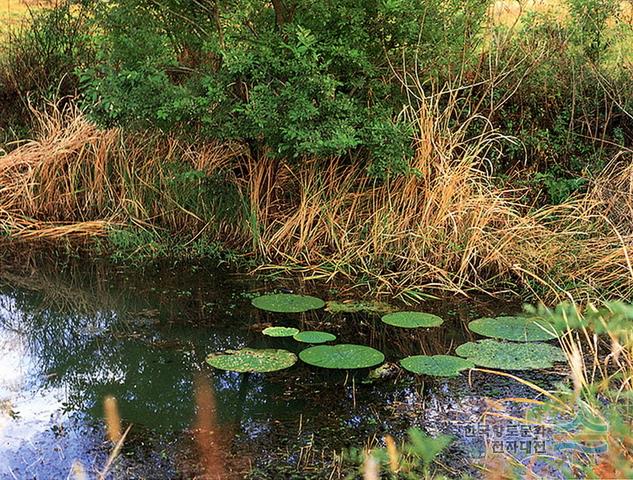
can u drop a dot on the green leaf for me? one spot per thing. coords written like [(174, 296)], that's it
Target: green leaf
[(280, 331), (287, 303), (343, 356), (252, 360), (519, 329), (511, 356), (436, 365), (412, 320), (427, 447), (314, 337)]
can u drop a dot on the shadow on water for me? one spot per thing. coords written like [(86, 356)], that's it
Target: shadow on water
[(71, 336)]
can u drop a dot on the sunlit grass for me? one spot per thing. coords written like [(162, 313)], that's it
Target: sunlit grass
[(14, 12)]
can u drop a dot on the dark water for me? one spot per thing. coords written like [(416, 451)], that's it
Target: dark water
[(71, 335)]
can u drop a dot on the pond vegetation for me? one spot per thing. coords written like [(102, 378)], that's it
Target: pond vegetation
[(316, 227)]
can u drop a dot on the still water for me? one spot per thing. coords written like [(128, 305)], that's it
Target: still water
[(74, 333)]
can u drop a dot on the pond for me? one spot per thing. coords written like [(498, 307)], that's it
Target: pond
[(73, 333)]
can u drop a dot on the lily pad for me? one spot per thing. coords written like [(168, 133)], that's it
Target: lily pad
[(280, 331), (436, 365), (287, 303), (518, 329), (412, 320), (314, 337), (252, 360), (342, 356), (511, 356), (356, 307)]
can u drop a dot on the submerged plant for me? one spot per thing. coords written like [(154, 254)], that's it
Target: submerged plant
[(511, 356), (280, 331), (519, 329), (314, 337), (412, 320), (357, 307), (252, 360), (287, 303), (343, 356), (436, 365)]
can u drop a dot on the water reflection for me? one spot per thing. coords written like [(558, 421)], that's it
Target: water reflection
[(70, 338)]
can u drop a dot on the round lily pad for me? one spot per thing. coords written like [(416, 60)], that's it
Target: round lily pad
[(343, 356), (436, 365), (280, 331), (287, 303), (412, 319), (511, 356), (314, 337), (518, 329), (252, 360)]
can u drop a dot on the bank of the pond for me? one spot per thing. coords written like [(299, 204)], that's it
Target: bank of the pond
[(74, 333), (449, 229)]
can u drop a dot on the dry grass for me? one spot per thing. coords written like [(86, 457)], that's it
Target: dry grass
[(447, 228)]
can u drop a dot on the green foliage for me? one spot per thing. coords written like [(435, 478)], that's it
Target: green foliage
[(280, 331), (314, 337), (415, 458), (313, 79), (252, 360), (511, 356), (342, 356), (287, 303), (412, 320), (518, 329)]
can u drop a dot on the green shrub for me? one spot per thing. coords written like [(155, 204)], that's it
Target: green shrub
[(311, 78)]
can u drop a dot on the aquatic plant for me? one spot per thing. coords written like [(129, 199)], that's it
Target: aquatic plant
[(360, 306), (280, 331), (287, 303), (314, 337), (511, 356), (436, 365), (412, 320), (252, 360), (519, 329), (342, 356)]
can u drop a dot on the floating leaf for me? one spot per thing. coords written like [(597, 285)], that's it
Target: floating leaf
[(287, 303), (252, 360), (412, 319), (314, 337), (511, 356), (280, 331), (344, 356), (519, 329), (436, 365), (356, 307)]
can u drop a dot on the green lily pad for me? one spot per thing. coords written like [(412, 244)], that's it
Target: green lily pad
[(412, 319), (518, 329), (356, 307), (287, 303), (436, 365), (252, 360), (280, 331), (342, 356), (511, 356), (314, 337)]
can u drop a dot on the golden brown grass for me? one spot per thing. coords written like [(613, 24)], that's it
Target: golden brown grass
[(449, 227)]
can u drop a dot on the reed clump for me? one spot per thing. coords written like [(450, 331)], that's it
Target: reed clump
[(447, 225)]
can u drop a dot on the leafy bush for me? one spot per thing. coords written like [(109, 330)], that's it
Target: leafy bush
[(294, 79)]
